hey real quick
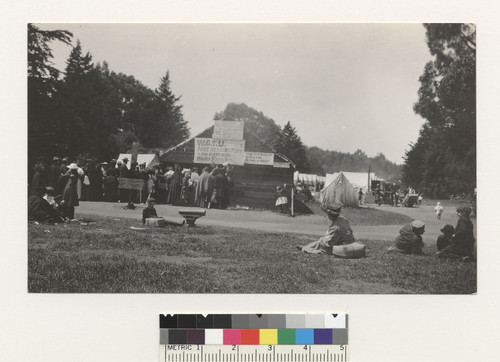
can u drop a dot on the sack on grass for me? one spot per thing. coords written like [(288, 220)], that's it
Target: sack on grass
[(350, 251), (155, 221)]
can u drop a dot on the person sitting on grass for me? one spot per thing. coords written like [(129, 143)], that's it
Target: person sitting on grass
[(149, 211), (410, 240), (446, 238), (43, 209), (339, 232), (462, 245)]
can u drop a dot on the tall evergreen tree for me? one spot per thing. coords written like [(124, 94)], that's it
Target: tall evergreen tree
[(173, 127), (89, 106), (447, 100), (43, 82), (289, 143)]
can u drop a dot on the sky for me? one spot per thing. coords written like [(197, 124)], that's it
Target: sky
[(342, 86)]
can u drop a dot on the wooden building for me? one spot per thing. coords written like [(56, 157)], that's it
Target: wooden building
[(255, 176)]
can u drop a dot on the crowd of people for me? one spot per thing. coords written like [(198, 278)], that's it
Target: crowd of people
[(88, 180)]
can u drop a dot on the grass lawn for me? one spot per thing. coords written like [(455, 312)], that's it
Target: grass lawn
[(108, 257)]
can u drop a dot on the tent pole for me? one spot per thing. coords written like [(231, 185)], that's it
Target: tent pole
[(369, 166)]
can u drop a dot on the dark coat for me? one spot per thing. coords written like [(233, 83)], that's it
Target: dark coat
[(174, 191), (70, 195), (408, 242), (40, 210), (464, 236), (54, 174), (147, 213)]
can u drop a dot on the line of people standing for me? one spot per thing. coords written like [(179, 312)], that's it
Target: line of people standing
[(93, 181)]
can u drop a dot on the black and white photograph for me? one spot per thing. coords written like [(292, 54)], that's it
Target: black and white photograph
[(231, 158), (267, 158)]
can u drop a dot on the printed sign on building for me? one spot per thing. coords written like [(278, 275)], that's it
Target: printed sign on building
[(228, 130), (208, 150), (259, 158)]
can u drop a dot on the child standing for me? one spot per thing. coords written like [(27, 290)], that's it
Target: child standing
[(439, 210)]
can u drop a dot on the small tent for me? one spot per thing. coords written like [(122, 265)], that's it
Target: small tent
[(357, 179), (150, 158), (339, 190)]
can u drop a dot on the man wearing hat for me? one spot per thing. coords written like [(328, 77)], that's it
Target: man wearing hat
[(410, 240), (339, 232), (43, 209)]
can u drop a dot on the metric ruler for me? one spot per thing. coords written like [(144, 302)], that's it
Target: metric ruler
[(253, 337), (253, 353)]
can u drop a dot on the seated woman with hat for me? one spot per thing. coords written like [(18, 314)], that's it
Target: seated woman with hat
[(337, 236), (409, 240)]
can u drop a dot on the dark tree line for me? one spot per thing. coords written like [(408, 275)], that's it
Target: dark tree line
[(286, 140), (90, 110), (323, 162), (443, 159)]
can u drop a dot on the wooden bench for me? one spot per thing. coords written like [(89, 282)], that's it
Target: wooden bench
[(192, 215)]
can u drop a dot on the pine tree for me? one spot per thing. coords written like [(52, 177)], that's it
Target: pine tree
[(43, 83), (447, 100), (289, 144), (171, 124)]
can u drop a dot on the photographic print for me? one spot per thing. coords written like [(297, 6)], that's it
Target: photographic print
[(303, 158)]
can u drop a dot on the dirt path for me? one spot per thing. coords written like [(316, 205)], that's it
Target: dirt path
[(310, 225)]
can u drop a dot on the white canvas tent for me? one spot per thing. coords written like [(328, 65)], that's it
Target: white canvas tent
[(150, 158), (339, 190), (357, 179)]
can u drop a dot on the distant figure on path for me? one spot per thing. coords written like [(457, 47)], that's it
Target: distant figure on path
[(410, 240), (439, 210), (360, 196)]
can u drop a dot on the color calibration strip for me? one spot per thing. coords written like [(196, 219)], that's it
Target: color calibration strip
[(253, 329)]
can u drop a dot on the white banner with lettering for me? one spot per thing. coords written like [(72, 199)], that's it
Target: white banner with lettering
[(208, 150), (228, 130), (259, 158)]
